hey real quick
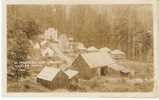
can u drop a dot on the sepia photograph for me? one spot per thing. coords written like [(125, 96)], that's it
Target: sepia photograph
[(80, 48)]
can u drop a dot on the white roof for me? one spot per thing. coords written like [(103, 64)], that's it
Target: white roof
[(105, 49), (92, 49), (117, 52), (101, 59), (97, 59), (71, 73), (48, 73)]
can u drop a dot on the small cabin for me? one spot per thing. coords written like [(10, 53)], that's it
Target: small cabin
[(97, 64), (55, 77), (52, 78)]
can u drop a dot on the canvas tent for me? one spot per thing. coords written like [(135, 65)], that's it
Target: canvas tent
[(55, 77), (92, 49), (118, 54), (94, 63), (105, 49)]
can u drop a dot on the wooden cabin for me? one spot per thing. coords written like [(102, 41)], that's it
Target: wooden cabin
[(96, 64), (55, 77)]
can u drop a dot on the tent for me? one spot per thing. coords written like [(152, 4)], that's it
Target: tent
[(92, 49), (118, 54), (105, 49)]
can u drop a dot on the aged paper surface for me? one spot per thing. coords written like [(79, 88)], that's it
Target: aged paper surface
[(80, 48)]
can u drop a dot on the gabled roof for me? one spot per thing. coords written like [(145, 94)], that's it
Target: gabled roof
[(71, 73), (48, 73), (101, 59), (92, 49), (105, 49), (97, 59), (117, 52)]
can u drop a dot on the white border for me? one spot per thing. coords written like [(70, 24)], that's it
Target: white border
[(92, 94), (79, 1)]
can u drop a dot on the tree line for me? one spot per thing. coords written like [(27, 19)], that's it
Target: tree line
[(125, 27)]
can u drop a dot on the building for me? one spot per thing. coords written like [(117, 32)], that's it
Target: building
[(52, 50), (52, 78), (55, 77), (105, 49), (118, 54), (96, 64)]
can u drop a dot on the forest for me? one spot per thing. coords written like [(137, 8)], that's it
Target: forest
[(125, 27)]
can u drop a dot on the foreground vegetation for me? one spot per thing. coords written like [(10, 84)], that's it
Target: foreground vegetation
[(143, 83)]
